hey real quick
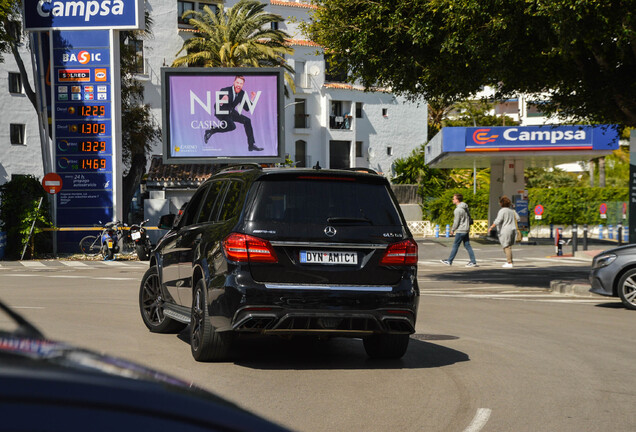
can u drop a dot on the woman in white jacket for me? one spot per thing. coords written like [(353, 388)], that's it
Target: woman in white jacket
[(506, 223)]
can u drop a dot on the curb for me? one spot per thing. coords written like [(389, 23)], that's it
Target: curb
[(579, 288)]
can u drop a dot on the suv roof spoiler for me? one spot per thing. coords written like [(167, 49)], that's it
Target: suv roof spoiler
[(242, 167), (361, 169)]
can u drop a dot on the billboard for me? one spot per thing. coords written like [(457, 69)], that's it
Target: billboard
[(222, 115)]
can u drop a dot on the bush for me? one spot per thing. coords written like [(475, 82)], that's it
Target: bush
[(578, 205), (19, 200), (440, 209), (561, 205)]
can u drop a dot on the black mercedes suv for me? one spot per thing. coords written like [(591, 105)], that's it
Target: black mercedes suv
[(286, 252)]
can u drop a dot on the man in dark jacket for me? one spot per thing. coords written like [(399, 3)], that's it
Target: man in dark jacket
[(461, 228), (233, 96)]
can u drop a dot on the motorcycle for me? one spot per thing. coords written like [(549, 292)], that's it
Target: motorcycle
[(110, 240), (143, 246)]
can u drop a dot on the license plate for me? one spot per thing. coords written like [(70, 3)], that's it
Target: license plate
[(328, 258), (135, 235), (110, 244)]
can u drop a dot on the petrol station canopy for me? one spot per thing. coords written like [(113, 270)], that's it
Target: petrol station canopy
[(536, 146)]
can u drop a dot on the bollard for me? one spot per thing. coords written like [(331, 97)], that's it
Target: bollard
[(600, 232), (437, 231), (447, 230), (610, 232), (551, 231), (585, 237), (619, 234), (575, 231), (559, 242), (626, 231)]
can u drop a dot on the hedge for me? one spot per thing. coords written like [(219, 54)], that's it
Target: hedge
[(561, 205)]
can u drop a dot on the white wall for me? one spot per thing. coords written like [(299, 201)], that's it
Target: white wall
[(16, 108)]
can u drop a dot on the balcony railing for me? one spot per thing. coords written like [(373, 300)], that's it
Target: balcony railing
[(340, 122)]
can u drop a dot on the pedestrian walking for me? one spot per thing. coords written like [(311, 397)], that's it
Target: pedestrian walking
[(461, 228), (506, 223)]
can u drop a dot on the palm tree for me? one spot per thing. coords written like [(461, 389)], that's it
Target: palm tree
[(239, 37)]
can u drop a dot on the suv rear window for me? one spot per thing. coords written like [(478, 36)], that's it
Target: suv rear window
[(316, 200)]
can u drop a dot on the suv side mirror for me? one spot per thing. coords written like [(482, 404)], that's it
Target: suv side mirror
[(166, 221)]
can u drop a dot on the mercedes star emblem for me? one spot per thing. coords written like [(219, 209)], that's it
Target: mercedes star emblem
[(330, 231)]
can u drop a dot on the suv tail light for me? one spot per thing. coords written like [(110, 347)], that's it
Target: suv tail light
[(402, 253), (245, 248)]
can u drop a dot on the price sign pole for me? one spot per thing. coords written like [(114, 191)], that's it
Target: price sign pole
[(80, 55), (83, 126)]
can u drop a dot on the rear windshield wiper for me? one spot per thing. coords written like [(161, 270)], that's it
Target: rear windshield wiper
[(346, 220)]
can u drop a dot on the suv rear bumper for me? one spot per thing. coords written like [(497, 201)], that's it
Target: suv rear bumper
[(349, 311), (349, 324)]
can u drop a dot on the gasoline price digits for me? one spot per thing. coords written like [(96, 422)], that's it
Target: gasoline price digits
[(93, 164), (92, 111), (93, 146), (93, 128)]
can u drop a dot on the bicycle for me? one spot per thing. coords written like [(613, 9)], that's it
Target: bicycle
[(107, 242)]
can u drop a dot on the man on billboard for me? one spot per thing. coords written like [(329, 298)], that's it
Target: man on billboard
[(229, 116)]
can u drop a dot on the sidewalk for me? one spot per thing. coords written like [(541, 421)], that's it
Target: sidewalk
[(539, 248), (580, 287)]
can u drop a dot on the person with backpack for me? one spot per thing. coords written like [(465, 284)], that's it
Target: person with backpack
[(461, 228)]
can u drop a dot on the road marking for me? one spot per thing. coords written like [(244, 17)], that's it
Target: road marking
[(479, 421), (523, 298), (27, 307), (38, 275), (32, 264), (74, 263)]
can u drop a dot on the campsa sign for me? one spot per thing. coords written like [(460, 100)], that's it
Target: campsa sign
[(83, 14), (536, 138)]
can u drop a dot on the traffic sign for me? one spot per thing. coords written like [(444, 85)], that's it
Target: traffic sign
[(538, 210), (52, 183)]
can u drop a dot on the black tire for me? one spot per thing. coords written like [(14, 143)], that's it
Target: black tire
[(151, 305), (142, 254), (205, 343), (107, 254), (627, 289), (89, 246), (386, 346)]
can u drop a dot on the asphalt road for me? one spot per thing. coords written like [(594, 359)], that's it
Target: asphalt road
[(494, 349)]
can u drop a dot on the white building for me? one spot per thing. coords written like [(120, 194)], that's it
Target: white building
[(335, 124)]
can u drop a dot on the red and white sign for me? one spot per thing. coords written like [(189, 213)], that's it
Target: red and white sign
[(52, 183)]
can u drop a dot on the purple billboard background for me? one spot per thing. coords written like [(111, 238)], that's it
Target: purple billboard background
[(189, 118)]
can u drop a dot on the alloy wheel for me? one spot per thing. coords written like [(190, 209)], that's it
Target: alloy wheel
[(152, 301)]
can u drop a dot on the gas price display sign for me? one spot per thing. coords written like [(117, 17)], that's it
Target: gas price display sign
[(83, 127)]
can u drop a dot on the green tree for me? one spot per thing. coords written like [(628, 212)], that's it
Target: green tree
[(139, 128), (8, 11), (551, 178), (413, 170), (18, 207), (240, 36), (451, 48)]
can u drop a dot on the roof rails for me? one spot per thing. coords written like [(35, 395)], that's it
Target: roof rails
[(241, 167), (361, 169)]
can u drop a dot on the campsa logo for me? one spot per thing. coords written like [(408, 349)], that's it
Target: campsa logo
[(79, 8), (483, 136), (552, 135)]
